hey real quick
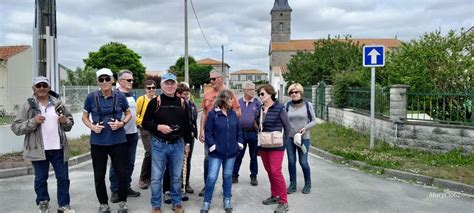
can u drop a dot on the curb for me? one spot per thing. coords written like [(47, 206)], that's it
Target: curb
[(14, 172), (397, 174)]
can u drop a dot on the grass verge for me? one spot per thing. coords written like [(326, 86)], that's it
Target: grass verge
[(352, 145), (77, 146)]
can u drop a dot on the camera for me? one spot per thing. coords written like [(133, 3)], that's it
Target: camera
[(174, 127)]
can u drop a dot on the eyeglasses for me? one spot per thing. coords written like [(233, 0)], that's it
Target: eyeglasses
[(106, 79), (261, 94), (294, 92), (150, 88), (44, 85), (129, 80)]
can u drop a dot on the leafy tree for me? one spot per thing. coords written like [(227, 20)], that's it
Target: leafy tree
[(330, 56), (198, 74), (434, 63), (117, 56), (80, 77)]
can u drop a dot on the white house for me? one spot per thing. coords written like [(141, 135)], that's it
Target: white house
[(240, 76), (16, 66)]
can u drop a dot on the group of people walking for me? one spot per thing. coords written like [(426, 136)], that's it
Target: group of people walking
[(167, 125)]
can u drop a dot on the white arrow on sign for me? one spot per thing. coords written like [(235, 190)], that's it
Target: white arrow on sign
[(373, 56)]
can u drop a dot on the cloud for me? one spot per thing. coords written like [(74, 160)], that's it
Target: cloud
[(155, 28)]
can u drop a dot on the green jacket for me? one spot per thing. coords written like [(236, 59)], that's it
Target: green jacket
[(25, 124)]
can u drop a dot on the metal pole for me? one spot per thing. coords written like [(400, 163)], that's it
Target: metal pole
[(186, 60), (372, 106), (225, 76)]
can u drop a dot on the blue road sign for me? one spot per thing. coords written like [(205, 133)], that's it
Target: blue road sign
[(373, 56)]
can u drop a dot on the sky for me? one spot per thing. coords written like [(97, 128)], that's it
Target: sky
[(155, 28)]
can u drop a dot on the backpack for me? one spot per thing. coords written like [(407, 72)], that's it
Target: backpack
[(310, 118), (158, 103)]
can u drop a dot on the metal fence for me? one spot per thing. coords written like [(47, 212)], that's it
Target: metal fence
[(449, 108), (358, 99)]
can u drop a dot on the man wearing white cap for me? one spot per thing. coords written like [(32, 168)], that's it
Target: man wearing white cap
[(43, 120), (105, 107)]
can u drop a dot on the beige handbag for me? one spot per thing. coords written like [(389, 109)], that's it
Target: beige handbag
[(269, 139)]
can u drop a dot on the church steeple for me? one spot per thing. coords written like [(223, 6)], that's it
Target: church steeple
[(281, 21), (281, 5)]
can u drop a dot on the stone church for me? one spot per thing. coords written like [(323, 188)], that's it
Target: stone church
[(282, 47)]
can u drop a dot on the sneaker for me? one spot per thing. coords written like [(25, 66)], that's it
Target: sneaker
[(132, 193), (189, 189), (104, 208), (156, 210), (253, 180), (178, 209), (228, 205), (205, 207), (235, 179), (201, 193), (114, 198), (65, 209), (143, 184), (291, 188), (271, 200), (184, 197), (167, 197), (282, 208), (307, 188), (123, 208), (43, 206)]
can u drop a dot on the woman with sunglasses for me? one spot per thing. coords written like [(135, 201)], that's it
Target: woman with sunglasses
[(301, 117), (274, 119), (142, 104), (106, 106)]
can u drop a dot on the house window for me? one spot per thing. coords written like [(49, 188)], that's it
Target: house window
[(249, 77), (258, 77), (281, 27), (238, 77)]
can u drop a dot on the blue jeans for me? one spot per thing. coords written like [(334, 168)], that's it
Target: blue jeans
[(214, 166), (250, 138), (291, 150), (206, 163), (61, 171), (163, 154), (132, 141)]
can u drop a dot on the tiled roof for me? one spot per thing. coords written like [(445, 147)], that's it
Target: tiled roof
[(156, 73), (249, 71), (9, 51), (280, 70), (308, 44), (208, 61)]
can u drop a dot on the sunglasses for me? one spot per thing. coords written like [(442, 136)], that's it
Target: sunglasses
[(41, 85), (129, 80), (294, 92), (150, 88), (106, 79), (261, 94), (213, 79)]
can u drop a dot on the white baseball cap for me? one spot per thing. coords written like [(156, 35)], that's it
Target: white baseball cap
[(298, 141), (104, 71)]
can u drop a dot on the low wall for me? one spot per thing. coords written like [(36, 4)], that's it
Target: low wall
[(9, 142), (418, 135)]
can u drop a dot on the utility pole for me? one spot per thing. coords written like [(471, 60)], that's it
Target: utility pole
[(45, 47), (186, 59), (224, 71)]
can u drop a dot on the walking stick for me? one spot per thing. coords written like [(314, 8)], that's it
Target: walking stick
[(185, 165)]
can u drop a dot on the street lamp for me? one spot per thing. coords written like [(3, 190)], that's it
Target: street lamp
[(226, 74)]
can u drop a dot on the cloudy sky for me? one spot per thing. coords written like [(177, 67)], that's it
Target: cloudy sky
[(155, 28)]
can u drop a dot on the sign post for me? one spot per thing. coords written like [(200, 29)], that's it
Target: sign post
[(373, 56)]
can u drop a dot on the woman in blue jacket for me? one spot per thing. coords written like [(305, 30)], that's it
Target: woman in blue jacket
[(224, 139)]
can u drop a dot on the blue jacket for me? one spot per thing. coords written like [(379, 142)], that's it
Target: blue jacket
[(224, 132)]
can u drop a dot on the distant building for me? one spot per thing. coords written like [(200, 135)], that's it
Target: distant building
[(281, 46), (254, 75), (216, 65), (16, 74)]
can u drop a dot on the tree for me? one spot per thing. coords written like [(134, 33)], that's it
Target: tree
[(198, 74), (330, 56), (80, 77), (117, 56), (434, 63)]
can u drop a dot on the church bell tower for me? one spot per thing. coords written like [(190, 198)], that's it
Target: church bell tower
[(281, 21)]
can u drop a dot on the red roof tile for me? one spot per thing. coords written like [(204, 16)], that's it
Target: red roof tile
[(308, 44), (208, 61), (9, 51)]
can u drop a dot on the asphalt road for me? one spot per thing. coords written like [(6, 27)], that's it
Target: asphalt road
[(336, 188)]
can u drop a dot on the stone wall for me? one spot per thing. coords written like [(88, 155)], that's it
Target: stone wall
[(418, 135)]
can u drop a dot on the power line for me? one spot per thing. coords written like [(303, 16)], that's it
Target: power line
[(199, 24)]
